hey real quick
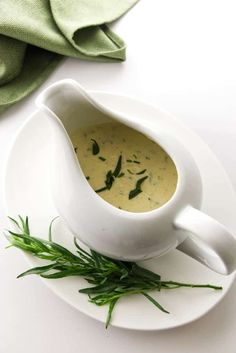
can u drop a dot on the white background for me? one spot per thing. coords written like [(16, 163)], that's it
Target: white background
[(181, 56)]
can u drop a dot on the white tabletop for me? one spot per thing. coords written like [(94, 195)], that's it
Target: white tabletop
[(181, 56)]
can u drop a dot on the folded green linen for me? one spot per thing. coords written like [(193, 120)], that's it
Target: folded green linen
[(36, 34)]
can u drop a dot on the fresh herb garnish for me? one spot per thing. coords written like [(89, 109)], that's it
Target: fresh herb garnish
[(142, 172), (132, 161), (101, 189), (110, 279), (121, 175), (139, 173), (109, 179), (95, 147), (135, 192), (140, 182), (110, 176), (108, 182), (102, 158), (118, 167)]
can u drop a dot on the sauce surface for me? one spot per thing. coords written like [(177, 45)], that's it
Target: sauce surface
[(124, 167)]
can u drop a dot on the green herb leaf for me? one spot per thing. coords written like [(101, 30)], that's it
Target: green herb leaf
[(105, 287), (110, 176), (144, 273), (101, 189), (153, 301), (37, 270), (140, 182), (95, 147), (50, 229), (108, 182), (135, 192), (102, 158), (132, 161), (118, 167), (142, 172), (109, 179), (139, 173), (110, 310)]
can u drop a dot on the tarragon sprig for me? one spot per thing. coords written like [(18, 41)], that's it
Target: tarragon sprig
[(110, 279)]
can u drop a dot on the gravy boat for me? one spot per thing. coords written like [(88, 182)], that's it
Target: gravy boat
[(114, 232)]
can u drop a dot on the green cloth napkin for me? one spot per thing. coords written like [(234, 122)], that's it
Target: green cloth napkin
[(36, 34)]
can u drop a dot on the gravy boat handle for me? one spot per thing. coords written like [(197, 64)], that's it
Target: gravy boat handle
[(209, 241)]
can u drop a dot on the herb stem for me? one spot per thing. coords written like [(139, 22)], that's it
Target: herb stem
[(173, 284)]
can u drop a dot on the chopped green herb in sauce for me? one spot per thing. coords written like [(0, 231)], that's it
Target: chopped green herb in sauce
[(118, 167), (132, 161), (135, 192), (110, 176), (109, 179), (142, 172), (100, 190), (138, 173), (95, 147)]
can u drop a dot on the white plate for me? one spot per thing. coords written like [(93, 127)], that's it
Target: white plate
[(28, 193)]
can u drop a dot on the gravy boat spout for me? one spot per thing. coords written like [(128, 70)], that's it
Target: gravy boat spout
[(117, 233)]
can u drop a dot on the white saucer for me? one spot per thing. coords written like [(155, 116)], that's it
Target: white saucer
[(28, 193)]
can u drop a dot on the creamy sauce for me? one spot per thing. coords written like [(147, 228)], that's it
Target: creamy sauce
[(101, 148)]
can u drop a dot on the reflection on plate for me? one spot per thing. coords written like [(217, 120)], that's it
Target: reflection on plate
[(28, 193)]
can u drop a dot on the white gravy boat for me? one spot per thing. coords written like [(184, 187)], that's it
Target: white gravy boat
[(117, 233)]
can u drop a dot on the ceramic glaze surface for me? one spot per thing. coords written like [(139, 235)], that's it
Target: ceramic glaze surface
[(146, 176)]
